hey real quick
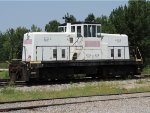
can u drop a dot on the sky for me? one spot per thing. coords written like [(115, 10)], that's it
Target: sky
[(25, 13)]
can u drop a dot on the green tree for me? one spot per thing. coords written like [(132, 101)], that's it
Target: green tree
[(118, 19), (52, 26), (18, 40), (90, 18), (4, 52), (138, 25), (9, 43), (12, 42), (107, 26), (69, 18), (34, 28), (134, 20)]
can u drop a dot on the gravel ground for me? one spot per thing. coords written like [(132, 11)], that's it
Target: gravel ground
[(124, 105), (137, 105)]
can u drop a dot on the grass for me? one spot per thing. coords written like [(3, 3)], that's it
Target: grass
[(140, 81), (146, 70), (4, 75), (11, 94), (4, 65), (140, 89)]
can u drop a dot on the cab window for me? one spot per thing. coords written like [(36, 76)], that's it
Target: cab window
[(72, 28), (54, 53), (119, 52), (112, 52), (78, 31), (64, 29), (63, 53), (89, 30), (93, 30), (61, 29), (98, 31), (85, 31)]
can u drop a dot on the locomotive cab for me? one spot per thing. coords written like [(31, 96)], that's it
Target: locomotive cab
[(82, 29), (96, 45), (87, 39)]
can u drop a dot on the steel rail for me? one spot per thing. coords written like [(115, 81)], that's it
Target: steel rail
[(4, 82), (78, 102)]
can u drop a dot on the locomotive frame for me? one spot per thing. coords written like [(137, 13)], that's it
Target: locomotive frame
[(51, 70)]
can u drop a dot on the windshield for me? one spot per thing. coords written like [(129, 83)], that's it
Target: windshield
[(62, 29), (91, 30)]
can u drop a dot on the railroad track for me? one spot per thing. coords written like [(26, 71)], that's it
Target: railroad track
[(5, 82), (32, 104)]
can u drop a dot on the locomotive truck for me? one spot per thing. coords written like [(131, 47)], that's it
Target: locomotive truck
[(77, 49)]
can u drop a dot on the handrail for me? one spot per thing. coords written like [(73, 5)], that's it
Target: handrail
[(136, 53), (56, 48), (139, 59), (25, 52)]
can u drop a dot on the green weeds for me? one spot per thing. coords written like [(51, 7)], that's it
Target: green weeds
[(4, 75), (4, 65), (11, 94), (146, 70)]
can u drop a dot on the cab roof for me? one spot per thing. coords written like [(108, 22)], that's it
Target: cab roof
[(64, 24)]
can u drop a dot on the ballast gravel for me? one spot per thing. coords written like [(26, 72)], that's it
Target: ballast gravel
[(57, 87), (135, 105), (124, 105)]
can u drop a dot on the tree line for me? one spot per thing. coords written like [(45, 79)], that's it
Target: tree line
[(132, 19)]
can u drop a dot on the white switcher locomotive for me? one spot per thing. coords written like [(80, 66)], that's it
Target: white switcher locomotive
[(77, 49)]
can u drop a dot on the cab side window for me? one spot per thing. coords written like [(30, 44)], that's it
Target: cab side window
[(78, 31), (63, 53), (98, 31), (89, 30), (93, 30), (112, 52), (85, 31), (54, 53), (119, 52), (72, 28)]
